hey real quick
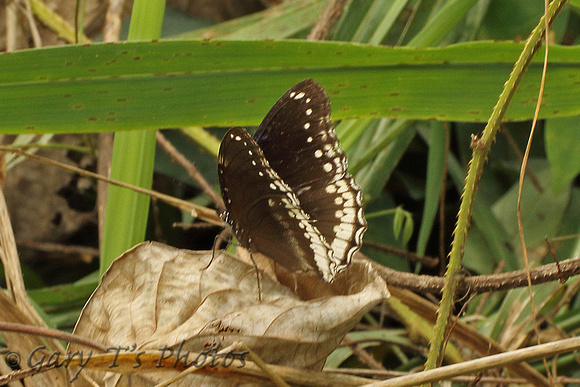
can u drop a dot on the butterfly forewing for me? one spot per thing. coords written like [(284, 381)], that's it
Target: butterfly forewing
[(298, 140), (264, 212)]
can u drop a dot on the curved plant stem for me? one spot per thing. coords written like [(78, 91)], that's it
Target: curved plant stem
[(481, 147)]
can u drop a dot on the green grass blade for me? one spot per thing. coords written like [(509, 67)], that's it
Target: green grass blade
[(133, 159), (442, 23), (109, 87), (435, 172), (281, 21)]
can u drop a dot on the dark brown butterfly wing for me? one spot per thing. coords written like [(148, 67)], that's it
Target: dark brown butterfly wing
[(264, 213), (298, 139)]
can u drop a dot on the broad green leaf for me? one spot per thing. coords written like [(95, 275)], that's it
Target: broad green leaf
[(541, 211), (381, 225), (105, 87), (373, 177), (478, 256), (498, 240), (514, 19), (563, 150)]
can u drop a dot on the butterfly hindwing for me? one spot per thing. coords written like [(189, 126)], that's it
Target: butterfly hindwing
[(298, 139)]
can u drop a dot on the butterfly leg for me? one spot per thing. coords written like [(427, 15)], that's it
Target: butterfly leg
[(257, 274), (224, 236)]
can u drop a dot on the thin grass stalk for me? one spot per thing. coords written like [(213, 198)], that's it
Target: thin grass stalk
[(481, 147)]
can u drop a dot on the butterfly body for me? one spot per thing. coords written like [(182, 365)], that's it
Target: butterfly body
[(286, 189)]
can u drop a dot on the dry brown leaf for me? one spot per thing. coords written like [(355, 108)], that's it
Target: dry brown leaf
[(15, 307), (28, 350), (155, 296)]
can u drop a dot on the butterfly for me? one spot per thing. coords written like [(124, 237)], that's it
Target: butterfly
[(286, 189)]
